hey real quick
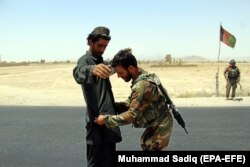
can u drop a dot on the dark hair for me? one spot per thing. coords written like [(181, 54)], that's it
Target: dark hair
[(124, 58)]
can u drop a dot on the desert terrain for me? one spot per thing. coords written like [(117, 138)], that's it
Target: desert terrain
[(52, 84)]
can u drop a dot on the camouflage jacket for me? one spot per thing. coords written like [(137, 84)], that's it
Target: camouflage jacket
[(232, 73), (146, 105)]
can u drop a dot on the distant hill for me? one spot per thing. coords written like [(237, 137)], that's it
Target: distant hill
[(193, 59)]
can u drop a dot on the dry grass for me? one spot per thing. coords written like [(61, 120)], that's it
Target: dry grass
[(53, 84), (198, 80)]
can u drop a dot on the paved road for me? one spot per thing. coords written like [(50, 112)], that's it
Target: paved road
[(54, 136)]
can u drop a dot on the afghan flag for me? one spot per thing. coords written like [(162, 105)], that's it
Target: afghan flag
[(227, 38)]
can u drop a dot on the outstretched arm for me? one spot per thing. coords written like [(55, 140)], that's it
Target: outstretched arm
[(84, 73), (140, 100)]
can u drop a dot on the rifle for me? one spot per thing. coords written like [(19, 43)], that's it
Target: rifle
[(178, 117), (169, 102)]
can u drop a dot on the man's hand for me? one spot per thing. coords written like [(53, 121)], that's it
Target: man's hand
[(101, 70), (99, 120)]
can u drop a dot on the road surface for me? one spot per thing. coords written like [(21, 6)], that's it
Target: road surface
[(55, 136)]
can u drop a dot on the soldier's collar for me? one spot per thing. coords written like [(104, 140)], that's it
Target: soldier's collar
[(139, 76)]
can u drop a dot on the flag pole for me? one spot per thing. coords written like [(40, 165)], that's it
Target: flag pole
[(217, 73), (219, 46)]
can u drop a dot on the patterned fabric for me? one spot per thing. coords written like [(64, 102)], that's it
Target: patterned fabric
[(232, 75), (147, 109)]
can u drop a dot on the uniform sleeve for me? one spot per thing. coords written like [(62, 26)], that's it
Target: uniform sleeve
[(121, 107), (238, 70), (238, 78), (82, 72), (225, 72), (139, 102)]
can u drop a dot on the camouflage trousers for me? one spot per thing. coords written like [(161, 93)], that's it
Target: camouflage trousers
[(231, 83), (157, 138)]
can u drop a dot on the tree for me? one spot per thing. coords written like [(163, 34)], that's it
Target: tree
[(168, 58)]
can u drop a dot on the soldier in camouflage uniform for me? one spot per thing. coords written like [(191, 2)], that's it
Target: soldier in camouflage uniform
[(145, 107), (232, 75)]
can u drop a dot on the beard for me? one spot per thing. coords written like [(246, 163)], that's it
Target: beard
[(128, 77), (98, 53)]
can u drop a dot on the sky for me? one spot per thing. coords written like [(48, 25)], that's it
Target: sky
[(56, 30)]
